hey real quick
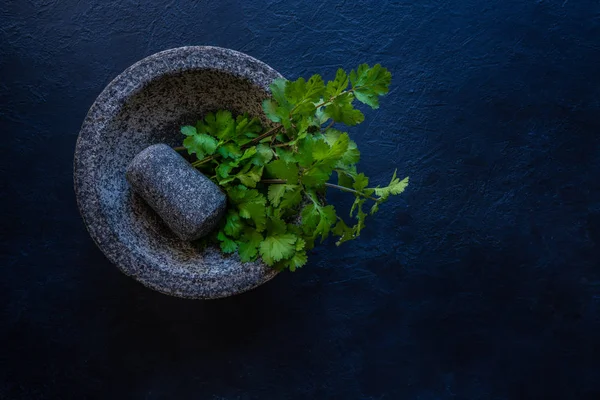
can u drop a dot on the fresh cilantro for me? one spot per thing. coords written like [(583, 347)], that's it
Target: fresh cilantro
[(275, 176)]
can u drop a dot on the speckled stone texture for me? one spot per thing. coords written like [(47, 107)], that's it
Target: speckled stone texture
[(143, 106), (187, 201)]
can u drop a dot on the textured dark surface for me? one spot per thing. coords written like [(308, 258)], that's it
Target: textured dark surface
[(482, 282)]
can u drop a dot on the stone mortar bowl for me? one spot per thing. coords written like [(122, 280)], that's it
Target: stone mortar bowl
[(145, 105)]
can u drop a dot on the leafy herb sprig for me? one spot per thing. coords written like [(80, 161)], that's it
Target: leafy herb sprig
[(275, 177)]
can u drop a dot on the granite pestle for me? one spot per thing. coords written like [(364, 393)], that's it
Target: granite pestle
[(187, 201)]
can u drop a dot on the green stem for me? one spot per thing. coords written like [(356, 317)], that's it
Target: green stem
[(179, 148), (331, 185), (203, 161), (268, 133), (345, 189), (323, 103)]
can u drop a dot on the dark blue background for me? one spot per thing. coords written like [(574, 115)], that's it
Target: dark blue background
[(481, 282)]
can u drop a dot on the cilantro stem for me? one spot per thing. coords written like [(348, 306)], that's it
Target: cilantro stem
[(268, 133), (179, 148), (331, 185), (203, 161), (345, 189)]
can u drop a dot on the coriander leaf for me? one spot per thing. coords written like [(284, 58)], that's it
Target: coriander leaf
[(278, 91), (272, 110), (298, 260), (246, 126), (276, 193), (230, 150), (328, 218), (237, 194), (341, 110), (360, 182), (344, 178), (338, 85), (395, 187), (351, 155), (201, 144), (252, 177), (250, 204), (316, 176), (310, 218), (320, 149), (282, 170), (227, 245), (233, 225), (285, 155), (224, 124), (264, 154), (370, 83), (248, 246), (344, 232), (248, 153), (339, 148), (305, 152), (188, 130), (277, 247), (300, 244), (300, 91), (223, 170), (292, 197), (275, 226)]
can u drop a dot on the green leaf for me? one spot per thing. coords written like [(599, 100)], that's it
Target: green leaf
[(320, 149), (230, 150), (351, 155), (316, 176), (264, 154), (188, 130), (223, 170), (252, 177), (310, 218), (339, 148), (344, 232), (233, 225), (227, 245), (338, 85), (317, 220), (248, 246), (250, 204), (278, 91), (328, 218), (201, 144), (301, 91), (370, 83), (305, 152), (285, 155), (247, 127), (273, 111), (360, 182), (224, 124), (395, 187), (344, 178), (341, 110), (281, 170), (248, 153), (300, 244), (298, 260), (276, 192), (292, 197), (275, 226), (277, 247)]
